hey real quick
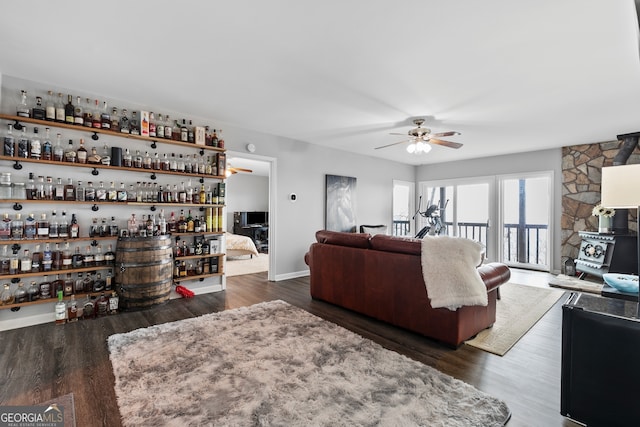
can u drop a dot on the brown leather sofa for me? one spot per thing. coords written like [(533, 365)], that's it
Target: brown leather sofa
[(381, 276)]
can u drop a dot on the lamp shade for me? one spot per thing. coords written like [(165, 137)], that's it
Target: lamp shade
[(620, 186)]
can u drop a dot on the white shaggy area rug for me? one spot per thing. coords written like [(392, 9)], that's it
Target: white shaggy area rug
[(272, 364)]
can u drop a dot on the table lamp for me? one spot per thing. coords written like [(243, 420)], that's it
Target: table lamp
[(620, 188)]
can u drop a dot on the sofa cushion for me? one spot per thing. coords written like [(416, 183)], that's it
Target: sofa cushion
[(354, 240), (403, 245)]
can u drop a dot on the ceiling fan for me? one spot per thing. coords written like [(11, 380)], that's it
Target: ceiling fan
[(421, 137)]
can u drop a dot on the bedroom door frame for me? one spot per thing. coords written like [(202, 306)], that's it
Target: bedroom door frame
[(271, 274)]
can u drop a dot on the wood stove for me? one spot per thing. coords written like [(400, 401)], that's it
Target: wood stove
[(602, 253)]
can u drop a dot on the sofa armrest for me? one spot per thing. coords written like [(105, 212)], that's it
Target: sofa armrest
[(494, 274)]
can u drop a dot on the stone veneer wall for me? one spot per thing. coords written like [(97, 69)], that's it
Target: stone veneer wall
[(581, 178)]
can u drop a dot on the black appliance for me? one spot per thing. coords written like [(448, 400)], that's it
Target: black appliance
[(603, 253)]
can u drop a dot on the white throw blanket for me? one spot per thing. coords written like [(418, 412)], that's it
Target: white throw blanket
[(450, 273)]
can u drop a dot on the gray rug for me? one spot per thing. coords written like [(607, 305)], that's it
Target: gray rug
[(272, 364)]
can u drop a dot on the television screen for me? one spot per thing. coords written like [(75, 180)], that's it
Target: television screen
[(257, 218)]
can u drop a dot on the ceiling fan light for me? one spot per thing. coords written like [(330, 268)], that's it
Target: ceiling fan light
[(420, 147), (426, 148), (411, 148)]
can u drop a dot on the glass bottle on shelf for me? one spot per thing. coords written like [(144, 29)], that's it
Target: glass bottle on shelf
[(20, 295), (35, 148), (77, 259), (36, 260), (134, 124), (56, 258), (78, 117), (53, 226), (42, 231), (127, 159), (67, 262), (105, 158), (184, 132), (89, 192), (25, 262), (68, 285), (112, 192), (180, 164), (69, 111), (88, 281), (60, 109), (70, 153), (88, 260), (101, 192), (72, 309), (24, 144), (47, 258), (70, 190), (81, 155), (168, 129), (122, 193), (191, 134), (22, 108), (5, 227), (109, 255), (88, 308), (96, 123), (99, 256), (105, 117), (74, 228), (17, 227), (78, 285), (108, 280), (60, 310), (6, 297), (146, 161), (47, 146), (98, 284), (58, 150), (156, 164), (124, 122), (63, 227), (30, 188), (115, 120), (30, 227), (33, 291), (137, 160), (9, 142), (188, 164), (49, 106), (45, 288), (190, 224), (166, 164), (38, 110), (102, 304), (159, 127), (5, 260), (48, 189), (58, 190), (14, 263), (152, 125)]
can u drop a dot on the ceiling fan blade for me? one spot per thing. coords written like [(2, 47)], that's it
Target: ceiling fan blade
[(396, 133), (390, 145), (236, 170), (445, 143), (450, 133)]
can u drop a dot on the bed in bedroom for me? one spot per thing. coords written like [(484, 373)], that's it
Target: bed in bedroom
[(239, 245)]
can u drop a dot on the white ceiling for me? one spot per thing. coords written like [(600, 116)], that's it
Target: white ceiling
[(511, 76)]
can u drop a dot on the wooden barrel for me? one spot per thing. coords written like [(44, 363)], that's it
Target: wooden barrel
[(144, 271)]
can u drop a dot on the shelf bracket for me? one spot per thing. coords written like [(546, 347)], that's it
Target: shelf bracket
[(201, 180), (17, 206), (153, 176), (15, 248), (95, 136), (95, 172), (15, 280), (95, 208), (154, 145), (17, 165), (14, 309), (201, 208), (152, 208), (17, 125), (202, 151), (201, 279), (94, 243)]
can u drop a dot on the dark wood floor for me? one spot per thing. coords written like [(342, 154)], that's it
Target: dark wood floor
[(42, 362)]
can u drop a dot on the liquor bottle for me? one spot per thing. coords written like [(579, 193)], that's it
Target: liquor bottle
[(70, 190), (191, 136), (180, 163), (20, 295), (35, 148), (5, 260), (68, 285), (56, 258), (220, 139), (78, 117), (88, 308), (132, 225), (42, 231), (58, 190), (160, 127), (98, 115), (25, 262), (102, 304), (74, 228), (184, 132), (94, 157), (172, 225), (47, 258), (124, 122), (137, 160), (82, 153), (9, 142), (57, 285), (152, 125), (188, 165), (108, 281), (63, 227), (69, 111), (214, 139), (58, 150), (38, 111), (182, 222), (89, 192), (89, 113), (134, 124), (112, 192), (89, 281), (6, 297), (98, 257), (47, 146), (48, 189), (5, 227), (30, 188), (33, 291), (94, 229), (30, 227), (121, 195), (88, 260), (182, 195), (105, 158), (146, 161), (78, 285), (109, 255), (23, 108), (77, 259), (36, 260), (60, 109), (17, 227), (67, 262), (98, 284), (115, 120), (49, 107), (72, 310), (101, 192), (70, 153), (24, 144), (168, 129), (45, 288), (104, 228), (190, 224), (60, 310), (105, 117), (127, 160), (197, 227), (14, 262)]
